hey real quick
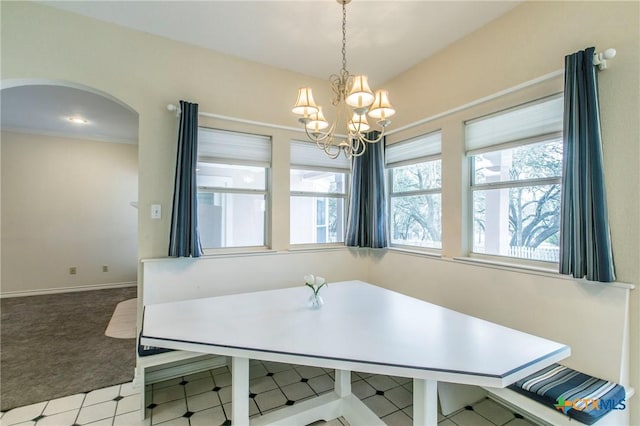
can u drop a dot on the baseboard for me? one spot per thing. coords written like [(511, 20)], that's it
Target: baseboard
[(90, 287)]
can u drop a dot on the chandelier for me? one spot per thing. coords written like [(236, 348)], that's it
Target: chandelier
[(353, 101)]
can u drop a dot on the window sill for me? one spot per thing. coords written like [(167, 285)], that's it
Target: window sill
[(509, 265), (317, 247), (240, 251), (417, 252), (536, 270)]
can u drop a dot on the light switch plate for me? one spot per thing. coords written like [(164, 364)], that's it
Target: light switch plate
[(156, 211)]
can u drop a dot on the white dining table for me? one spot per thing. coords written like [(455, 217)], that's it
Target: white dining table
[(360, 327)]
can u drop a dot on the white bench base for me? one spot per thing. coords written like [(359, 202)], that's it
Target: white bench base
[(160, 367), (542, 415)]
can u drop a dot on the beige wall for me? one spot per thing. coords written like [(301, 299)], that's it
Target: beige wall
[(147, 72), (526, 43), (66, 202)]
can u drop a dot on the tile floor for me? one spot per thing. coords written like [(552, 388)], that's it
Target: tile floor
[(205, 399)]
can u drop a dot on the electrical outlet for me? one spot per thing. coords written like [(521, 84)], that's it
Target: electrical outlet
[(73, 270), (105, 268)]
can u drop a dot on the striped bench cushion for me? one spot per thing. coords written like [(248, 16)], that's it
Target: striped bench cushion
[(577, 395), (150, 350)]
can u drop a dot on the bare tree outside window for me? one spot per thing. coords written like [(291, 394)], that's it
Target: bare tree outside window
[(415, 184), (518, 214), (416, 205)]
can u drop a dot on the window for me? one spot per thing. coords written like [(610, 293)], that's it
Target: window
[(232, 177), (415, 182), (515, 159), (318, 186)]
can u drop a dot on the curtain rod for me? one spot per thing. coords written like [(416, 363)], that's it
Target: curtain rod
[(471, 104), (172, 107), (599, 60)]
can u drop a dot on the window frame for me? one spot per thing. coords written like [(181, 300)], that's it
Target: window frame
[(391, 194), (265, 192), (473, 186), (307, 156), (327, 195)]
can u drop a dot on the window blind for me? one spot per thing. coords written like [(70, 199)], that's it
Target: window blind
[(307, 154), (235, 148), (528, 121), (419, 148)]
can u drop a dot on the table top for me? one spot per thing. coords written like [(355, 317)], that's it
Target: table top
[(358, 323)]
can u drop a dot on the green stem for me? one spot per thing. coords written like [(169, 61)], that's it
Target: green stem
[(315, 290)]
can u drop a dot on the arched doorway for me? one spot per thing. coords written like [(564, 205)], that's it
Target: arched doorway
[(69, 223)]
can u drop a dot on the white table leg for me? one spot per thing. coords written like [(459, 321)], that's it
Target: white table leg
[(342, 382), (240, 391), (425, 402)]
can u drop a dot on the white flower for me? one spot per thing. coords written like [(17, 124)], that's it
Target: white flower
[(314, 282)]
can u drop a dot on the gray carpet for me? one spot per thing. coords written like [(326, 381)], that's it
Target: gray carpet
[(54, 345)]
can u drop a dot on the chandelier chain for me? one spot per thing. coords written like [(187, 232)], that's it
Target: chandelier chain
[(344, 72)]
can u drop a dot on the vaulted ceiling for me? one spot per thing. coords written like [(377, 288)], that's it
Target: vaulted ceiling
[(384, 39)]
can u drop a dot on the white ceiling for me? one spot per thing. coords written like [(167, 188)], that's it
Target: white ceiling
[(46, 109), (384, 39)]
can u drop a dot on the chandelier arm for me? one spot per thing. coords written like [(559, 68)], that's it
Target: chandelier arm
[(325, 144), (338, 88), (327, 150), (376, 140), (347, 153), (356, 143), (359, 148), (359, 153), (321, 136), (316, 137)]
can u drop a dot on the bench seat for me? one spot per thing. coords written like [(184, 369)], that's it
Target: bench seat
[(559, 395)]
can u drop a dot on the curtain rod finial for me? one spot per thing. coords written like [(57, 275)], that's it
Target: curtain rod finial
[(609, 53), (172, 107), (600, 59)]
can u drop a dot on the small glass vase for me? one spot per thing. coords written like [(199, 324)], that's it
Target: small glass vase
[(315, 301)]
